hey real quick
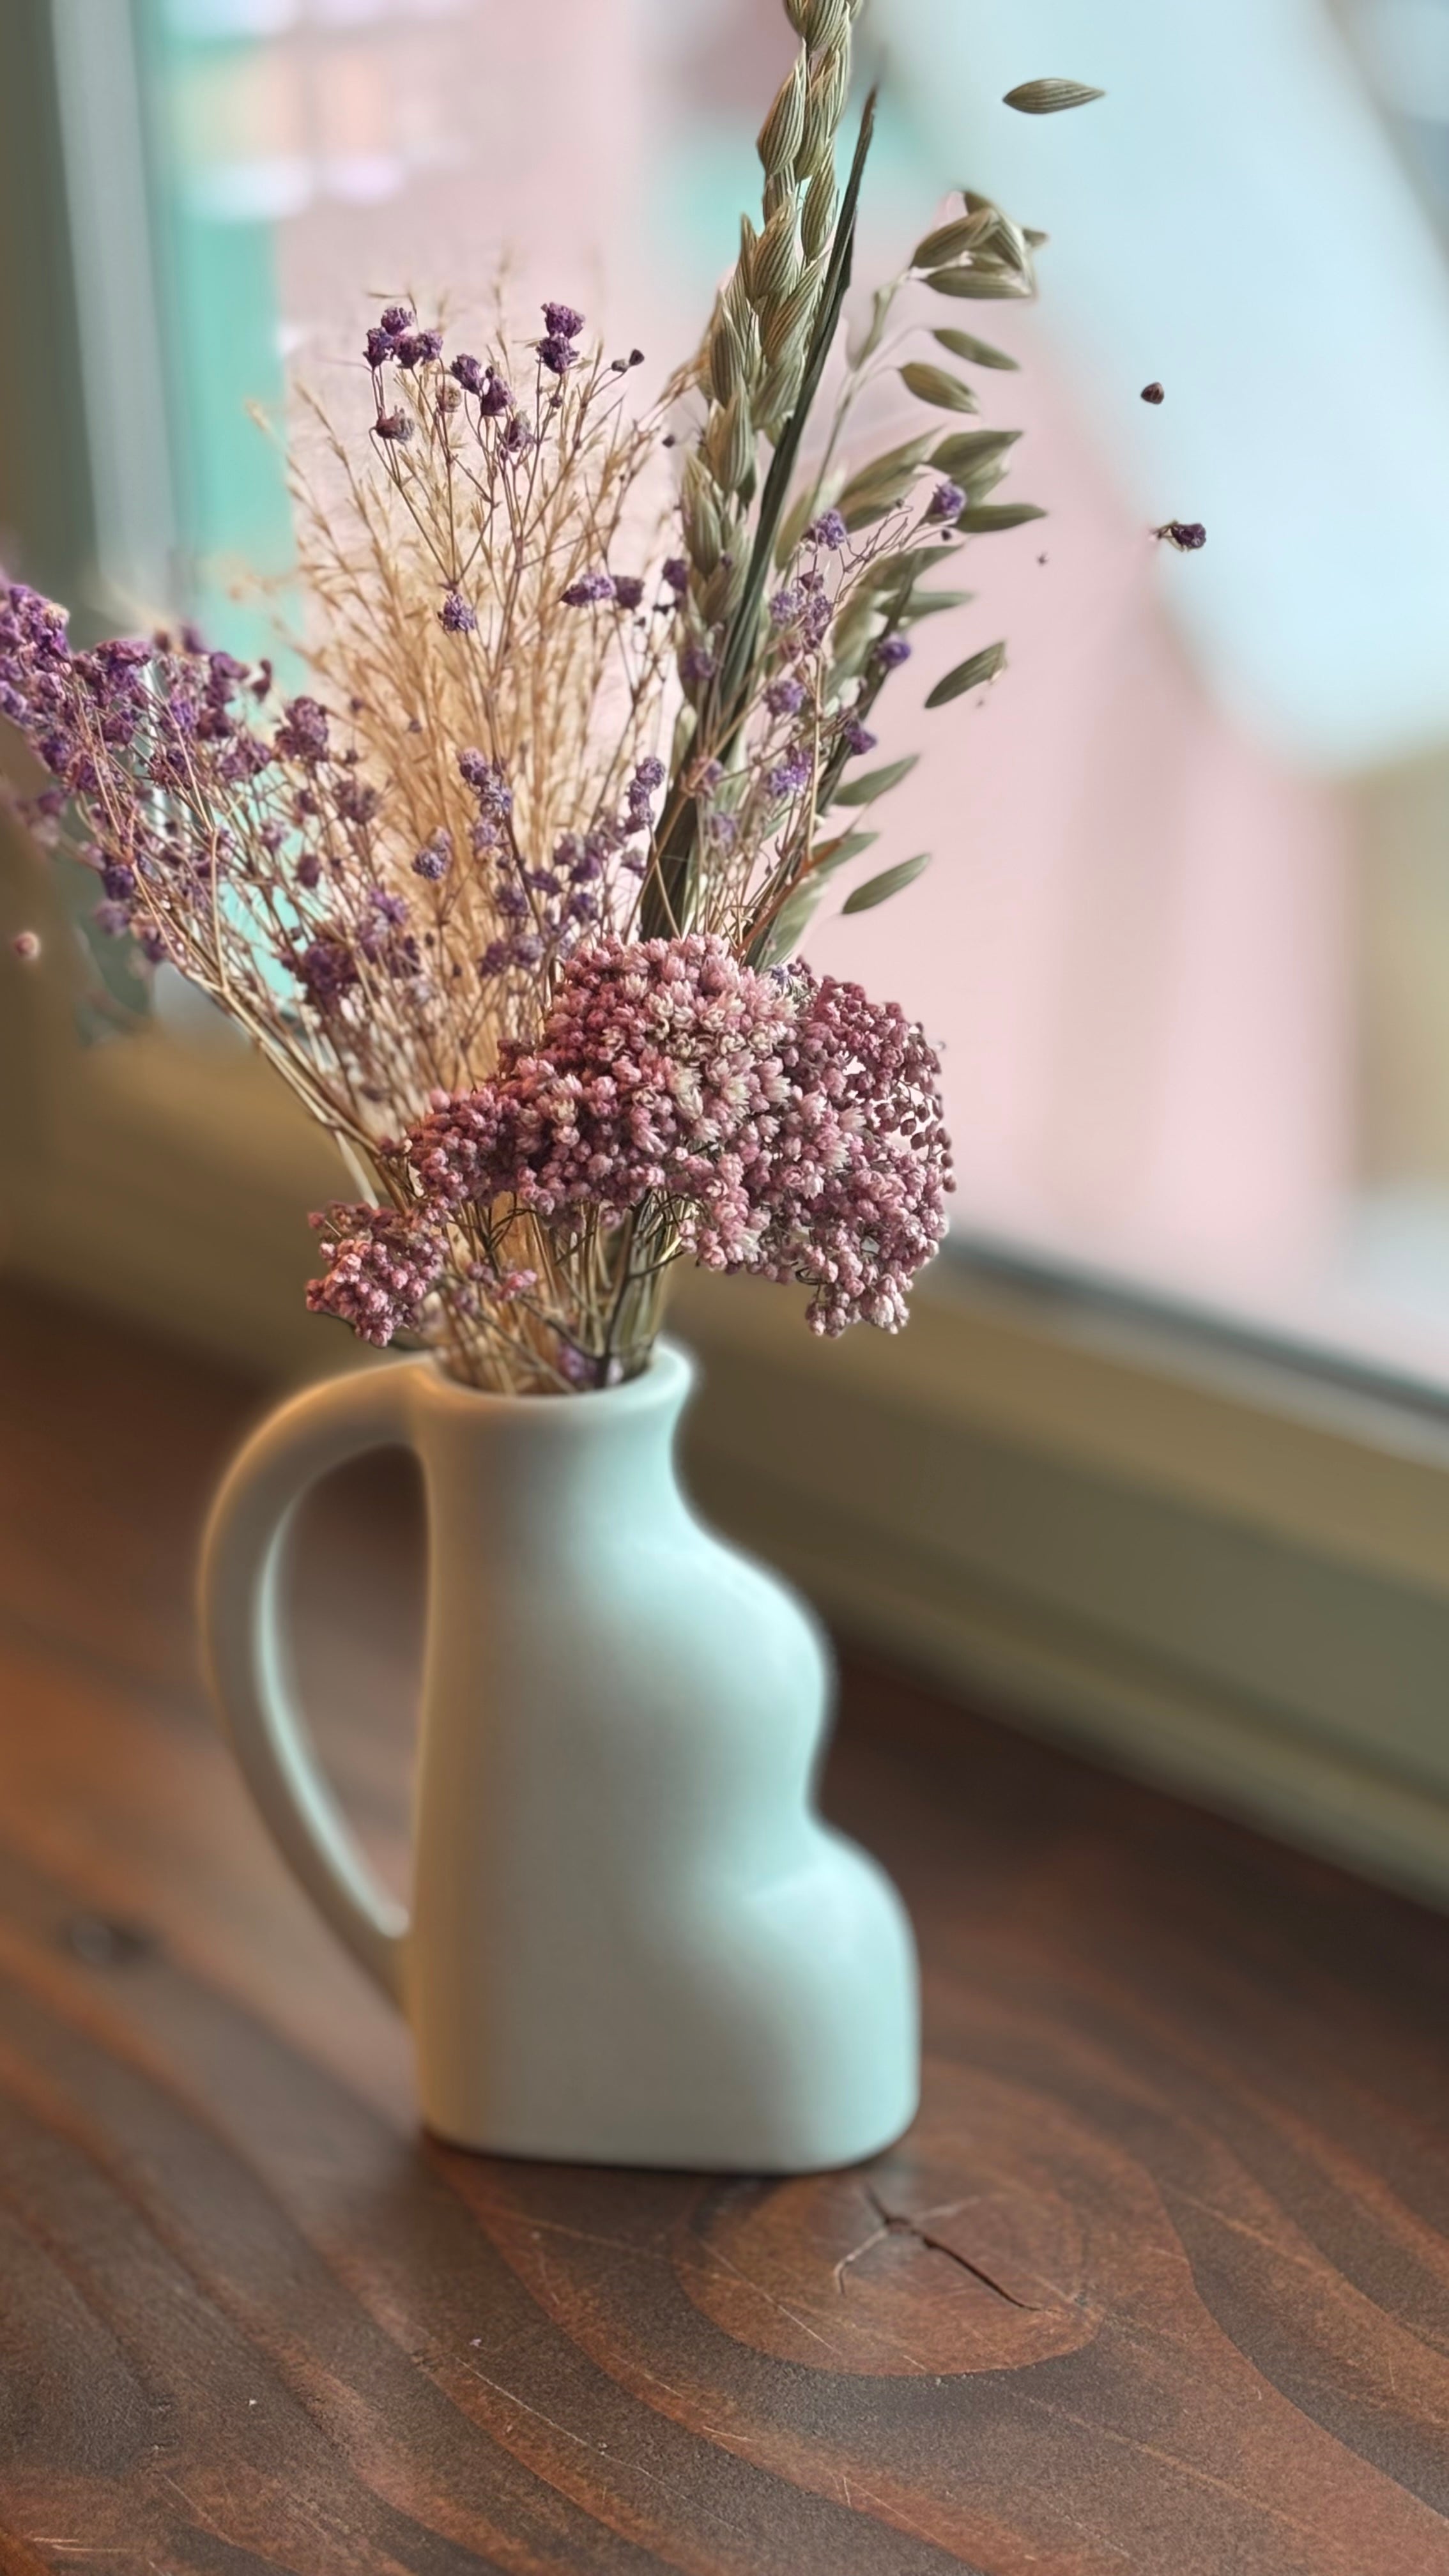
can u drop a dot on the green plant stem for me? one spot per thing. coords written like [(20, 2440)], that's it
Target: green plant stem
[(668, 901)]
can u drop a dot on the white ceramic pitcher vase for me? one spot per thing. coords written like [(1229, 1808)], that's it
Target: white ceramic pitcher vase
[(632, 1940)]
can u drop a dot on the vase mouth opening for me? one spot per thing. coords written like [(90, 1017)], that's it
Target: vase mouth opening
[(664, 1380)]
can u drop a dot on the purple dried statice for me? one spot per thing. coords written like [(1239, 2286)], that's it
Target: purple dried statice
[(435, 857), (418, 348), (628, 589), (800, 613), (355, 801), (589, 588), (646, 782), (793, 774), (302, 734), (828, 530), (455, 616), (891, 652), (562, 322), (856, 738), (394, 425), (946, 502), (489, 782), (327, 972)]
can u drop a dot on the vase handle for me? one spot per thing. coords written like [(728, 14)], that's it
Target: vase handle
[(246, 1652)]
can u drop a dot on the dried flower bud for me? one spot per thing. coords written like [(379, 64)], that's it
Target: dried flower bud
[(1185, 535), (1154, 393), (890, 652), (418, 348), (302, 733), (828, 530), (792, 774)]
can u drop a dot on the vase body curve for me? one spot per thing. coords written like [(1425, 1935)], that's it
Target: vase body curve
[(633, 1940)]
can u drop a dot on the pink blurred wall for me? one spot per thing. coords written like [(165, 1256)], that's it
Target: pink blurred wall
[(1135, 937)]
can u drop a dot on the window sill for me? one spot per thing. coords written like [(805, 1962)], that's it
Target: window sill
[(1222, 1573)]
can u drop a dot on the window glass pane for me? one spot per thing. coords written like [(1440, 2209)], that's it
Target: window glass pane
[(1185, 938)]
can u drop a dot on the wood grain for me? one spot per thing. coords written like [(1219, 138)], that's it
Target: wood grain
[(1159, 2283)]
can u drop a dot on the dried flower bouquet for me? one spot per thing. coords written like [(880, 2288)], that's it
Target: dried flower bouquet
[(511, 895)]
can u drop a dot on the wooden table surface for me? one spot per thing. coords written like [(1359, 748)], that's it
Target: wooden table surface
[(1159, 2282)]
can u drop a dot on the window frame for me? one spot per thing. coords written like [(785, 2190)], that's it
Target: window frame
[(1146, 1532)]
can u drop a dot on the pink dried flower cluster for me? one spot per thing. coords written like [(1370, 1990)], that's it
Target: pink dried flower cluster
[(382, 1266), (775, 1123)]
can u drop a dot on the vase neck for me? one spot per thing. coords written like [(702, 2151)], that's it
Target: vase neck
[(532, 1472)]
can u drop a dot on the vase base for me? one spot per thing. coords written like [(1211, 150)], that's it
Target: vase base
[(820, 2156)]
